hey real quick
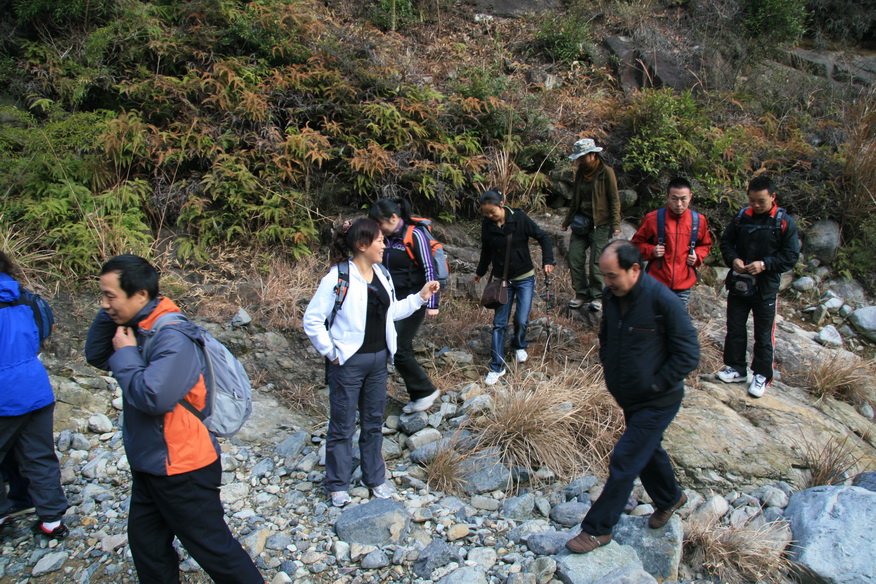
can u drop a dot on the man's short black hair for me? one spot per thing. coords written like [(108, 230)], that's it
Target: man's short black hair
[(627, 253), (678, 182), (135, 274), (762, 183)]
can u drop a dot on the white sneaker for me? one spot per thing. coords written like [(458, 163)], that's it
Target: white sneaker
[(758, 386), (521, 355), (422, 404), (730, 375), (340, 498), (596, 305), (493, 377), (382, 491)]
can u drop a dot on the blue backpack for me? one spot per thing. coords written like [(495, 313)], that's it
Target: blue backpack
[(229, 391), (42, 312)]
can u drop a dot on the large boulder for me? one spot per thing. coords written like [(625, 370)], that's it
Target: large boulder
[(822, 240), (378, 522), (659, 549), (864, 321), (592, 567), (833, 531)]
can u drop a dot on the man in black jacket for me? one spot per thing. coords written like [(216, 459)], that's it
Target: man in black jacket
[(761, 242), (647, 346)]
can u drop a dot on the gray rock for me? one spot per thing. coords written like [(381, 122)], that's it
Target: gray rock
[(412, 423), (832, 527), (525, 530), (829, 337), (803, 284), (570, 513), (100, 424), (864, 321), (543, 569), (436, 554), (484, 473), (278, 541), (591, 567), (79, 442), (628, 576), (263, 468), (242, 318), (422, 438), (518, 508), (374, 560), (866, 480), (51, 562), (771, 496), (659, 549), (292, 446), (580, 486), (521, 578), (378, 522), (466, 575), (550, 543), (483, 556), (822, 240), (426, 454)]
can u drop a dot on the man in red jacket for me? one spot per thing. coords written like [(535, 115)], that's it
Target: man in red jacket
[(675, 240)]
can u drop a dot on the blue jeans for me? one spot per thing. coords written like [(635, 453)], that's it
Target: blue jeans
[(638, 453), (520, 291)]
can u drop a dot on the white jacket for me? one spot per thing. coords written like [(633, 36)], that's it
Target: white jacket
[(348, 328)]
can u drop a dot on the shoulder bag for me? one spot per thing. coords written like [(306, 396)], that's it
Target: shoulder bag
[(496, 291)]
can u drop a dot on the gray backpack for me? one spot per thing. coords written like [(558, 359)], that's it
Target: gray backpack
[(229, 391)]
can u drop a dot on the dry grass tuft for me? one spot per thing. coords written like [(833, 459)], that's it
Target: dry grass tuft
[(287, 288), (302, 398), (34, 265), (843, 376), (711, 353), (445, 472), (567, 422), (829, 464), (735, 555)]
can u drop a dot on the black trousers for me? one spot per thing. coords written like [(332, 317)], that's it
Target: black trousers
[(32, 438), (415, 377), (638, 453), (763, 311), (187, 506)]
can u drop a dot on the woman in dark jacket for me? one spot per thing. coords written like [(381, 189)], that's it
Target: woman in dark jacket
[(408, 275), (498, 224)]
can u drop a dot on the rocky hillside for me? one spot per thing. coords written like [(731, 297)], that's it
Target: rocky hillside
[(743, 462)]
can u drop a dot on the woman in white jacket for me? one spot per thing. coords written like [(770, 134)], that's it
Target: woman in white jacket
[(358, 342)]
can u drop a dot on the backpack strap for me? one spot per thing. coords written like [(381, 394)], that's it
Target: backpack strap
[(341, 289), (167, 318), (661, 225), (694, 229)]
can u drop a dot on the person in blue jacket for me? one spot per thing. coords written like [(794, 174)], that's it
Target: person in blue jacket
[(27, 406)]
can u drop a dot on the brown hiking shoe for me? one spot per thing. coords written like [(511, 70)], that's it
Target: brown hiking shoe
[(584, 542), (659, 518)]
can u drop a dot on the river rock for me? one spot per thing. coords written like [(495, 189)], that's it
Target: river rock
[(864, 321), (822, 240), (436, 554), (378, 522), (592, 567), (829, 337), (658, 549), (833, 531)]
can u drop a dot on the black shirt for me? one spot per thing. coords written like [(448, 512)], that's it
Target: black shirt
[(375, 317)]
